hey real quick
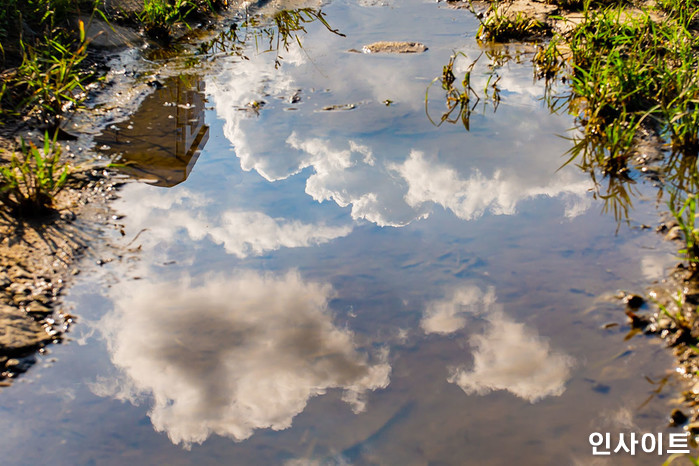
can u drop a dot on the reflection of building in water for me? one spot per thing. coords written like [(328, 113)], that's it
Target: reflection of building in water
[(161, 142)]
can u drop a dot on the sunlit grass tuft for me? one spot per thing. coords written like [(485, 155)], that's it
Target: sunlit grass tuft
[(30, 181)]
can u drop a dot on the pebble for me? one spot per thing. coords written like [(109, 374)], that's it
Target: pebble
[(12, 363), (37, 308), (68, 216), (677, 417), (19, 299), (633, 301), (18, 272), (664, 323), (674, 234), (4, 280), (693, 427)]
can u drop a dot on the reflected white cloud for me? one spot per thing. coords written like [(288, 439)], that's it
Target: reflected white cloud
[(231, 355), (432, 182), (508, 356), (242, 233), (448, 316), (511, 357), (349, 177), (394, 186)]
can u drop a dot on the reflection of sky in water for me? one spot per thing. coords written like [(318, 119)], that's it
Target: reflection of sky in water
[(275, 300), (242, 233), (373, 158), (230, 353), (235, 353)]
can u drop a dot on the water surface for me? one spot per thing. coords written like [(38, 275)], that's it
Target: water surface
[(310, 276)]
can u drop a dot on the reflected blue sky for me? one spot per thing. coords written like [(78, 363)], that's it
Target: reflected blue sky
[(355, 286)]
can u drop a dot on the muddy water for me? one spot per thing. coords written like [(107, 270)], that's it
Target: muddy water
[(310, 276)]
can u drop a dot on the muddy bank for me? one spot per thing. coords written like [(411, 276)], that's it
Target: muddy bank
[(38, 258)]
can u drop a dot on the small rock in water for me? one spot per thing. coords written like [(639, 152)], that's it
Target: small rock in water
[(677, 418), (331, 108), (19, 366), (675, 233), (12, 363), (693, 428), (68, 216), (633, 301), (394, 47)]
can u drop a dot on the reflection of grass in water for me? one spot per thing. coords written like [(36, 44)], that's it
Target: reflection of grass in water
[(461, 101), (287, 28), (683, 207)]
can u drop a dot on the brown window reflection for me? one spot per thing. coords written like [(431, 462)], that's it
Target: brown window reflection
[(162, 142)]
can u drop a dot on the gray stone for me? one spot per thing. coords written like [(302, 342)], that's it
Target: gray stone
[(4, 280), (394, 47), (19, 332)]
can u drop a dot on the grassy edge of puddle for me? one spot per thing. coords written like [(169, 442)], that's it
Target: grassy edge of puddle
[(632, 70), (39, 253)]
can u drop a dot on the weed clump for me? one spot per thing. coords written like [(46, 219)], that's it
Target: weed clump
[(30, 182), (626, 73), (48, 81), (501, 24), (158, 17), (43, 53)]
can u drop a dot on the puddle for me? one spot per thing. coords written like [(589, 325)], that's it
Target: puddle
[(300, 286)]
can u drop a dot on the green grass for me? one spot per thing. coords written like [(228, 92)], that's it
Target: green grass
[(684, 11), (43, 57), (684, 208), (502, 25), (627, 73), (159, 16), (48, 80), (675, 456), (30, 182), (577, 5)]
